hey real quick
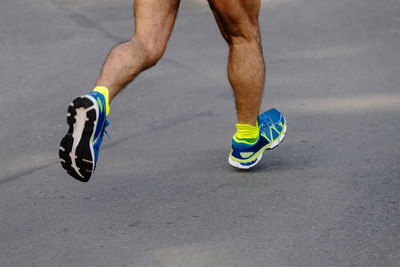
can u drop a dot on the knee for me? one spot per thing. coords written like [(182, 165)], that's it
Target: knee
[(154, 49), (240, 34), (155, 53), (244, 41)]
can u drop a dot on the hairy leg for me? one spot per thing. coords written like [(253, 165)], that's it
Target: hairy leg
[(238, 23), (154, 20)]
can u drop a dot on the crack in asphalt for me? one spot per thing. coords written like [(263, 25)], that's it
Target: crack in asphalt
[(156, 126), (25, 172), (84, 21)]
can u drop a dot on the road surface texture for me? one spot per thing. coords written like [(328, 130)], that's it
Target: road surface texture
[(163, 193)]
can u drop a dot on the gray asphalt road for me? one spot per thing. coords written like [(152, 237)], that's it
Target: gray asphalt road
[(163, 193)]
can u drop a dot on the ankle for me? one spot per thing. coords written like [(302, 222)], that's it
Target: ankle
[(105, 92), (246, 133)]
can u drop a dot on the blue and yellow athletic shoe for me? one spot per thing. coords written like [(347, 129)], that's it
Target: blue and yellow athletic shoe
[(79, 149), (272, 130)]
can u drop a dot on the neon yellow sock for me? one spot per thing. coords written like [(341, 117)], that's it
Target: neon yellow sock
[(246, 133), (104, 91)]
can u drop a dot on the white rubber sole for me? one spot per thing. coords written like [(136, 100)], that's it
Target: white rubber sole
[(76, 148)]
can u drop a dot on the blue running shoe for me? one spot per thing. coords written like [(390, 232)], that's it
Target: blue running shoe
[(272, 126), (79, 149)]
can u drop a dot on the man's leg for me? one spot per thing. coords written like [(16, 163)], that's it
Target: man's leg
[(154, 20), (238, 22), (87, 115)]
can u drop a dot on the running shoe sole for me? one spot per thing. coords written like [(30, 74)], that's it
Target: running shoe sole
[(269, 146), (76, 148)]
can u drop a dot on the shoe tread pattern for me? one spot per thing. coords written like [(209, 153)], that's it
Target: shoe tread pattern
[(83, 155)]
